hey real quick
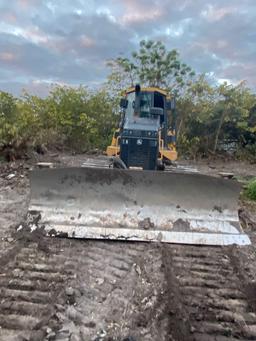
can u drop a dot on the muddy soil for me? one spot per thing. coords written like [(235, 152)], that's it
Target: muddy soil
[(62, 289), (216, 166)]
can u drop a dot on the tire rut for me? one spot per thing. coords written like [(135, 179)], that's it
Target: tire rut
[(63, 289), (115, 291), (209, 302), (28, 293)]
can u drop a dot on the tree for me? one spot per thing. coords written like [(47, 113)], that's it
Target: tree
[(85, 118), (232, 112), (152, 65), (68, 117), (7, 105), (209, 114), (195, 118), (8, 111)]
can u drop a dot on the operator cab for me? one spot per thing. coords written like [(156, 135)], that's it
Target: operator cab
[(143, 118), (145, 112), (145, 139)]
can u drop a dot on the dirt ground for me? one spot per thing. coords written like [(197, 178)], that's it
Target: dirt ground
[(63, 289)]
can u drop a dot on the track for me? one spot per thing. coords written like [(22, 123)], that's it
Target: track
[(81, 285), (53, 289), (214, 306), (28, 286)]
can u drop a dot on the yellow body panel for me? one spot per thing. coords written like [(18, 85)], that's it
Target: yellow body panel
[(168, 154), (113, 150)]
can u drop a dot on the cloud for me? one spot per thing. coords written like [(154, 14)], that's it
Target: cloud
[(139, 12), (238, 72), (141, 17), (7, 57), (214, 14), (86, 41), (43, 41)]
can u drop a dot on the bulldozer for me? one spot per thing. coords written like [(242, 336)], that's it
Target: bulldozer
[(145, 138), (135, 200)]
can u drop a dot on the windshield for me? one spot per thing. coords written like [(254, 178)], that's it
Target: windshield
[(144, 120), (145, 104)]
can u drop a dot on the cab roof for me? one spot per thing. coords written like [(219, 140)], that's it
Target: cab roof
[(148, 89)]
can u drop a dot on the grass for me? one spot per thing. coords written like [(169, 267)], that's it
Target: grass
[(250, 190)]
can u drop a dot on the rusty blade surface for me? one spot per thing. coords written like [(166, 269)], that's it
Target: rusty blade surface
[(137, 205)]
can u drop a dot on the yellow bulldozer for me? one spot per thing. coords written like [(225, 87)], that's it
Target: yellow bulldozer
[(145, 138), (134, 200)]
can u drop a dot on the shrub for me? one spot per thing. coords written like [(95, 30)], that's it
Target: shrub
[(72, 117), (250, 190)]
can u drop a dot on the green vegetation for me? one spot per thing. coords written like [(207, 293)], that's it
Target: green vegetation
[(74, 118), (250, 191), (210, 118), (152, 65), (216, 118)]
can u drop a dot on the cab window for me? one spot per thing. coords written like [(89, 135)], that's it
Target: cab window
[(145, 104), (158, 100)]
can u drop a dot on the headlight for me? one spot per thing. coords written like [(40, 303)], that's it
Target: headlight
[(139, 142)]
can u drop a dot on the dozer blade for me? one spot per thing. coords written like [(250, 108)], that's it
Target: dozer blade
[(137, 205)]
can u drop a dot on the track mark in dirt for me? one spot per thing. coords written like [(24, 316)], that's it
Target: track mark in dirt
[(116, 288), (62, 288), (94, 290), (179, 325), (209, 296), (244, 272), (29, 285)]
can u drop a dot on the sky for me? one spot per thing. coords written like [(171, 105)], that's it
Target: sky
[(69, 41)]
